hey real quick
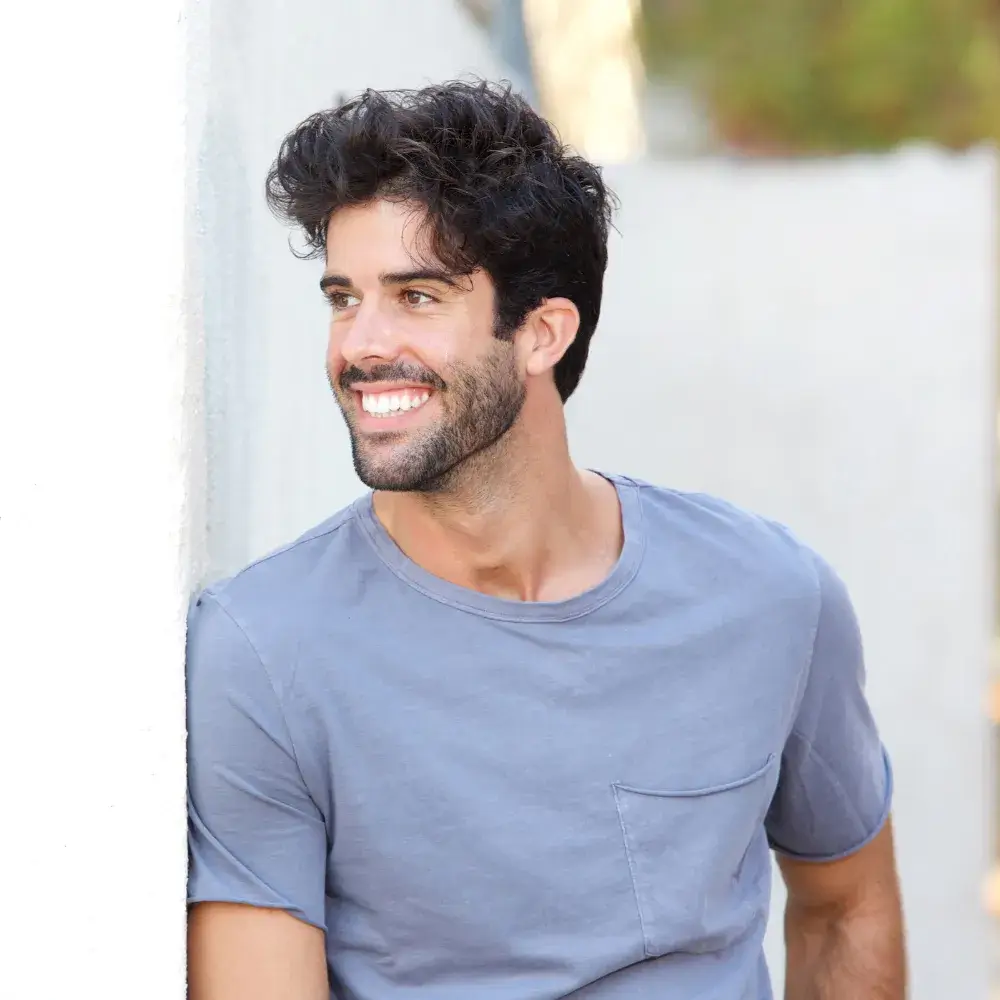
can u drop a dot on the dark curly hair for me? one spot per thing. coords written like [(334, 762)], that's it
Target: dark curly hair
[(500, 191)]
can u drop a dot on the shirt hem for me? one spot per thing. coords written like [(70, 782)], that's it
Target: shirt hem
[(258, 904)]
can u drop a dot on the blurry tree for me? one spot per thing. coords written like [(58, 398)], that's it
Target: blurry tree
[(820, 76)]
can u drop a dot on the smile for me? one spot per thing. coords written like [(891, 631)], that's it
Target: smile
[(389, 404)]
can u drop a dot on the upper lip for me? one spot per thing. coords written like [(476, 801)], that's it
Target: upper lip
[(371, 388)]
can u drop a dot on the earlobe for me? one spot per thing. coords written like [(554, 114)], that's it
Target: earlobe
[(554, 326), (536, 364)]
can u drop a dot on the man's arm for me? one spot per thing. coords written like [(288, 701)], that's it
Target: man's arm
[(844, 926), (238, 952), (258, 840), (829, 824)]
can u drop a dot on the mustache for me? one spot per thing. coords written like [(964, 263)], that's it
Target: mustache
[(397, 372)]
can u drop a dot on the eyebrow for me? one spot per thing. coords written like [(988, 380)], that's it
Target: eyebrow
[(395, 278)]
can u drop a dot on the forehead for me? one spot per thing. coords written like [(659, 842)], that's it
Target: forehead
[(379, 233)]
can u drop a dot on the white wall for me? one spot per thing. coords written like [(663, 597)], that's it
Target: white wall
[(817, 342), (99, 520)]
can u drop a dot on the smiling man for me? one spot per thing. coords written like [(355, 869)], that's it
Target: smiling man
[(504, 727)]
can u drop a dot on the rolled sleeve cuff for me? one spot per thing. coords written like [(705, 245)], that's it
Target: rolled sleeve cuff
[(875, 830)]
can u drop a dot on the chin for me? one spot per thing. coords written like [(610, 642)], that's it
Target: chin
[(391, 477), (386, 480), (377, 473)]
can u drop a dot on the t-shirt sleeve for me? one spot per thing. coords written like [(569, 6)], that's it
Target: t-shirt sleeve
[(256, 836), (835, 784)]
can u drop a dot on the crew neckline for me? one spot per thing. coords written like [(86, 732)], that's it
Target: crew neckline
[(501, 608)]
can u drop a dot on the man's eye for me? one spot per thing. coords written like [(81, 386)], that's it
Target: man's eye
[(412, 297), (342, 300)]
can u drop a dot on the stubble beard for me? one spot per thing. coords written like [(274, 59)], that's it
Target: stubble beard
[(483, 403)]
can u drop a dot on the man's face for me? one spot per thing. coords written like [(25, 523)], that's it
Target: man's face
[(422, 382)]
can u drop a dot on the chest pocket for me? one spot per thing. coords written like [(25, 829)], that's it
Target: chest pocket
[(699, 860)]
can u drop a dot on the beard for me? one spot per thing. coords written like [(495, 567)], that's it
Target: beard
[(481, 403)]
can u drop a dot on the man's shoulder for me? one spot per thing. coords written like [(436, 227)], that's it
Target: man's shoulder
[(713, 530), (290, 584)]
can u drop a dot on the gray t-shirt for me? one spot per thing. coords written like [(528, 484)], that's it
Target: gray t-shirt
[(483, 798)]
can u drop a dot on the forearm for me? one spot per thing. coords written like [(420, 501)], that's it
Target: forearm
[(843, 955)]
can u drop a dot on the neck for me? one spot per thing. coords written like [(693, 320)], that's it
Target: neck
[(518, 521)]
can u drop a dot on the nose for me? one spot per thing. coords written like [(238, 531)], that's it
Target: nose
[(368, 336)]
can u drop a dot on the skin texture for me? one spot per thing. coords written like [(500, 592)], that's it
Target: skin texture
[(844, 926), (477, 486), (248, 953), (494, 501)]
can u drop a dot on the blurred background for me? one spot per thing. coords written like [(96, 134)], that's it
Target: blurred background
[(800, 316), (772, 78)]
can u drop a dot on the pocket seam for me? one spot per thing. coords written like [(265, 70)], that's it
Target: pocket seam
[(647, 953), (692, 793), (621, 793)]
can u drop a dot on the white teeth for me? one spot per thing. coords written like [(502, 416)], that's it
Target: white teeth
[(390, 404)]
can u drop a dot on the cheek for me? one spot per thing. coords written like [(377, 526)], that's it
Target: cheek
[(463, 340), (334, 349)]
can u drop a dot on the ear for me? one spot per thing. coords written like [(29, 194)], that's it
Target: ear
[(547, 333)]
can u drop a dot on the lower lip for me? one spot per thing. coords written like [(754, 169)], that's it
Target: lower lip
[(398, 420)]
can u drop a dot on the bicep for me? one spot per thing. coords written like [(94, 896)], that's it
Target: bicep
[(238, 952), (847, 883)]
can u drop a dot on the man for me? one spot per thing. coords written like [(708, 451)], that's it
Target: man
[(503, 727)]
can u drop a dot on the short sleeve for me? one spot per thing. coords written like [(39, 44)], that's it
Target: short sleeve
[(835, 784), (255, 834)]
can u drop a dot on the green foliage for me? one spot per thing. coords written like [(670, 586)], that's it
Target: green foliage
[(820, 76)]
